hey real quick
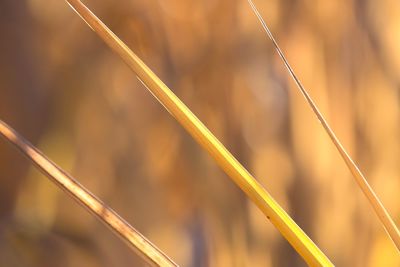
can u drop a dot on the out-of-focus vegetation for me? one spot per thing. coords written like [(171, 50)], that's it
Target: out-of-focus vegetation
[(63, 90)]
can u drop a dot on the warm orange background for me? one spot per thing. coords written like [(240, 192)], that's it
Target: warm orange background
[(63, 89)]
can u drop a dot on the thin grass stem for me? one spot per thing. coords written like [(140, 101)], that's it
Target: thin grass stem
[(383, 215), (282, 221), (143, 247)]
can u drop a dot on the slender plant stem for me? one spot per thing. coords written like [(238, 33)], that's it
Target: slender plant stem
[(282, 221), (66, 182), (383, 215)]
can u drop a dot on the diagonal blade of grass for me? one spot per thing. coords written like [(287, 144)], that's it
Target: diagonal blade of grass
[(377, 205), (137, 242), (282, 221)]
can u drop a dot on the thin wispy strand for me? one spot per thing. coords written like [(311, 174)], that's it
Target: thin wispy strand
[(272, 210), (143, 247), (381, 212)]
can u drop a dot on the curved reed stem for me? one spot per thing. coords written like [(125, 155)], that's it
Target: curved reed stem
[(136, 241), (282, 221), (384, 217)]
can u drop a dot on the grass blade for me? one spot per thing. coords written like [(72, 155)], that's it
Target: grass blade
[(137, 242), (282, 221), (373, 199)]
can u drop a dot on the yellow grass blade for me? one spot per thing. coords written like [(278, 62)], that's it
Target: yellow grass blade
[(376, 204), (136, 241), (282, 221)]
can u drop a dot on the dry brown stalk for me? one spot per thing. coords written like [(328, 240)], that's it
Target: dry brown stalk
[(84, 197)]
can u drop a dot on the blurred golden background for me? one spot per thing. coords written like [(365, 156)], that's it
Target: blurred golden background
[(67, 93)]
